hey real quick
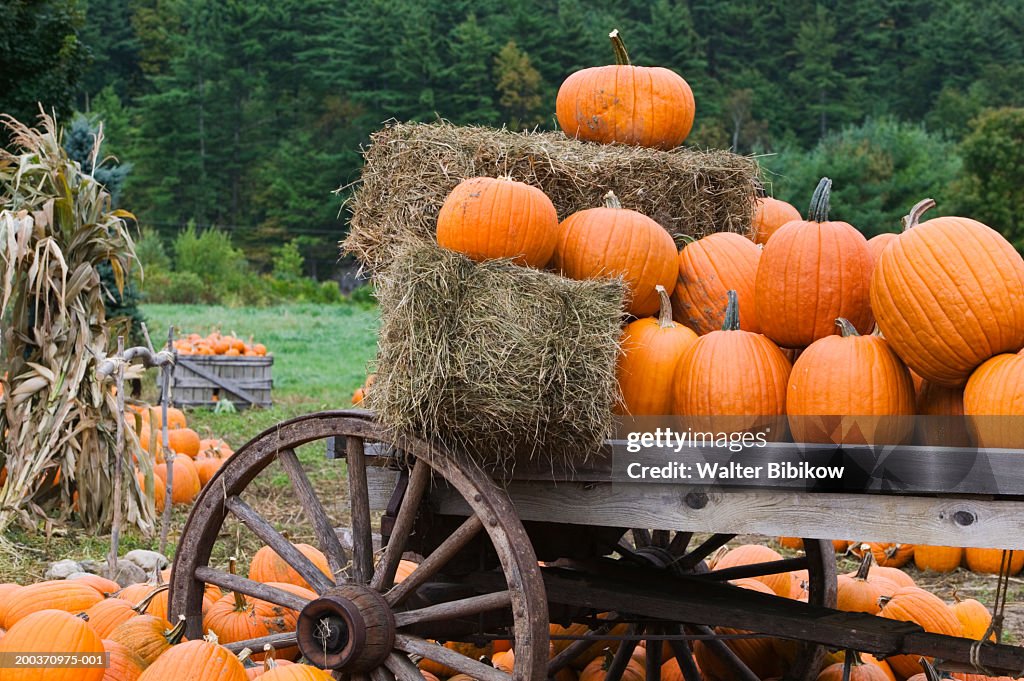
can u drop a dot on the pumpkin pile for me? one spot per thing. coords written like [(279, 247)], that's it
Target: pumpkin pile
[(940, 559), (196, 461), (216, 343)]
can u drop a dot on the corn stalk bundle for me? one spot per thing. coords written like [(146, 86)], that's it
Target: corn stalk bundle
[(59, 422)]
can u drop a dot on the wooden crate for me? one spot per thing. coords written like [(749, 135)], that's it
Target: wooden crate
[(205, 380)]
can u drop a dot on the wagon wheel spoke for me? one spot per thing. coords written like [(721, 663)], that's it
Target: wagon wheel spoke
[(706, 548), (641, 538), (284, 548), (660, 538), (621, 658), (359, 496), (758, 569), (449, 658), (384, 577), (577, 648), (465, 607), (323, 529), (684, 654), (253, 589), (679, 543), (282, 640), (653, 656), (725, 654), (381, 674), (403, 668), (435, 561)]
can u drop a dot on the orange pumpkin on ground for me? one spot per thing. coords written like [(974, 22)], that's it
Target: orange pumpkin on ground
[(57, 594), (651, 350), (891, 574), (990, 561), (597, 670), (713, 383), (196, 661), (858, 594), (708, 269), (49, 631), (124, 664), (267, 566), (207, 467), (750, 554), (850, 389), (858, 672), (886, 554), (769, 215), (579, 629), (811, 273), (994, 402), (613, 241), (110, 613), (148, 636), (911, 604), (185, 484), (974, 618), (237, 617), (103, 585), (474, 652), (487, 218), (938, 558), (626, 104), (757, 653), (948, 295), (183, 441)]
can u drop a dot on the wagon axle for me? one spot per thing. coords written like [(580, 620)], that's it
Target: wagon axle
[(349, 628)]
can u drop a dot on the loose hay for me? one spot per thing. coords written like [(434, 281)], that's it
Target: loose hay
[(495, 359), (411, 167)]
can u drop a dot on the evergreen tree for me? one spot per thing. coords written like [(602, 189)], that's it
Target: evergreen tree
[(468, 76), (520, 86), (816, 79)]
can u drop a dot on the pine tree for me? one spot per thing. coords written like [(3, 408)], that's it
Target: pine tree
[(468, 75), (520, 86), (816, 78)]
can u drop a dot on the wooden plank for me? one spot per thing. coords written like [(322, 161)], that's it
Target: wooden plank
[(214, 378)]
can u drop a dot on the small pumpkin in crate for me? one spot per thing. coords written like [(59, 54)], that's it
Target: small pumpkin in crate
[(626, 104), (708, 269)]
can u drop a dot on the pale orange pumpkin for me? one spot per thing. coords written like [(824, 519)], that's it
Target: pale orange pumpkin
[(613, 241), (487, 218), (708, 269), (638, 105), (948, 294), (651, 350), (769, 215)]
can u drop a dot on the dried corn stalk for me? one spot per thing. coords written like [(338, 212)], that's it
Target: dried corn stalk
[(58, 421)]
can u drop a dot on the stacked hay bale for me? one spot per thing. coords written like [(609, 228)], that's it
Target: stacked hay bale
[(492, 358)]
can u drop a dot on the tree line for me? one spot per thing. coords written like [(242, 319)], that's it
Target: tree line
[(246, 115)]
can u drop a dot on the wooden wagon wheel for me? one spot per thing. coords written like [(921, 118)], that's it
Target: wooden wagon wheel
[(676, 552), (360, 625)]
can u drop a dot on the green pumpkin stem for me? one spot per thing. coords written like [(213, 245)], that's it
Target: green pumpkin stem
[(865, 565), (914, 216), (846, 329), (818, 211), (732, 313), (612, 201), (665, 316), (621, 56), (175, 635)]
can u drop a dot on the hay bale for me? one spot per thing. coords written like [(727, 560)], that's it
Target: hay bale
[(411, 167), (494, 359)]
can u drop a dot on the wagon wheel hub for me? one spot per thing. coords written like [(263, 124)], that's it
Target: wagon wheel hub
[(349, 628)]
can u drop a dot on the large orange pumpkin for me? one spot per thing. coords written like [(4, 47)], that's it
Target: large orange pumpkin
[(990, 561), (124, 664), (651, 350), (769, 215), (858, 672), (994, 402), (237, 617), (941, 412), (148, 636), (879, 243), (938, 558), (638, 105), (297, 672), (267, 566), (708, 270), (857, 594), (185, 486), (732, 380), (811, 272), (613, 241), (974, 618), (487, 218), (196, 661), (912, 604), (948, 294), (51, 631), (104, 586), (850, 389), (57, 594), (108, 614), (751, 554)]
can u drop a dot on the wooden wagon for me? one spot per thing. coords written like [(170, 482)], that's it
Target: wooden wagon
[(611, 553)]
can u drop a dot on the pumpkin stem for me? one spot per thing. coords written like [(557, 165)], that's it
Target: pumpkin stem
[(621, 56), (865, 565), (732, 313), (269, 661), (612, 201), (240, 603), (846, 329), (665, 316), (818, 211), (175, 635), (141, 606), (919, 209)]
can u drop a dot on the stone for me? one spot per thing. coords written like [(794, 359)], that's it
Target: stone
[(62, 568)]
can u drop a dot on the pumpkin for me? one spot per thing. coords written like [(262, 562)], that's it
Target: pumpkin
[(57, 594), (751, 554), (850, 389), (207, 467), (943, 423), (651, 349), (841, 545), (733, 379), (108, 614), (938, 558), (708, 269), (757, 653), (890, 574), (949, 294), (877, 244), (597, 670), (7, 592), (470, 650), (911, 604), (200, 660), (270, 661), (104, 586), (580, 629), (811, 272), (868, 658), (990, 561), (974, 618), (886, 554), (671, 671), (185, 485), (154, 418), (638, 105), (769, 215), (858, 672), (858, 594), (267, 566), (487, 218), (183, 441), (159, 490), (504, 661), (794, 543), (614, 241), (49, 631), (297, 672), (124, 664), (994, 402), (148, 636)]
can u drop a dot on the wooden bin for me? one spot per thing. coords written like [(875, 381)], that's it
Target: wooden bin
[(205, 380)]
